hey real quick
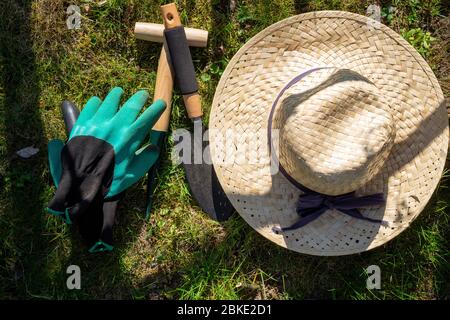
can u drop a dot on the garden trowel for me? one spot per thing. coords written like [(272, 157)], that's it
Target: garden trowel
[(200, 173)]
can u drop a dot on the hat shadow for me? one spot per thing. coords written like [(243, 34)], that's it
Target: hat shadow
[(402, 207)]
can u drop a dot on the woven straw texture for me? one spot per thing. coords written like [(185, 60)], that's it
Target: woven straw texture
[(335, 131), (406, 100)]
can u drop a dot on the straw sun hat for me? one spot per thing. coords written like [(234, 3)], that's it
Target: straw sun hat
[(346, 133)]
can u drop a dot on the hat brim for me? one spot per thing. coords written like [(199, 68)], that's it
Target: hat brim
[(339, 39)]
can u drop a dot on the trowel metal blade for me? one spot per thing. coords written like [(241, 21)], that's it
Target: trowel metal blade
[(202, 178)]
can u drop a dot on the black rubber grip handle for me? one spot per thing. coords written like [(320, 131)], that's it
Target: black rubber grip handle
[(181, 59)]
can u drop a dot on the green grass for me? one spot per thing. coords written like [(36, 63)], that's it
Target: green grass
[(179, 252)]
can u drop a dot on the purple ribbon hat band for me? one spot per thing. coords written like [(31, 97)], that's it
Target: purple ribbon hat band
[(312, 204)]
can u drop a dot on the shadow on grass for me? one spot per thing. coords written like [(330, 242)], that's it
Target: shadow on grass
[(21, 221), (34, 255)]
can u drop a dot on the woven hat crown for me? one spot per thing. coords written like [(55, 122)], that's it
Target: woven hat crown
[(335, 131)]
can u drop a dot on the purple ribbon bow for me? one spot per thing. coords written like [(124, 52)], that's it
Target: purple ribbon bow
[(312, 205)]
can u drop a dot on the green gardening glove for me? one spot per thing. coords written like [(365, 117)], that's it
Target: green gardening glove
[(104, 154)]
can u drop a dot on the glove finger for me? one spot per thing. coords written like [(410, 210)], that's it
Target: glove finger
[(137, 168), (55, 147), (59, 200), (109, 214), (95, 226), (109, 106), (148, 118), (141, 127), (88, 192), (131, 109), (90, 223), (88, 112)]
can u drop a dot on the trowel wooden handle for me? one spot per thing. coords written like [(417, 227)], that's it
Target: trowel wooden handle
[(163, 90), (170, 14), (181, 59)]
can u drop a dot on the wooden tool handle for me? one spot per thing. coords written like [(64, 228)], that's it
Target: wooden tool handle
[(170, 16), (172, 20), (163, 90), (155, 32)]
